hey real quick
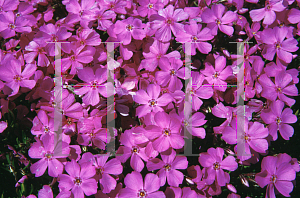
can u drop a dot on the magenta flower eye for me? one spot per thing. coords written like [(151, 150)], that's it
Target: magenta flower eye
[(18, 78), (46, 129), (12, 26), (129, 27), (216, 166), (167, 167), (173, 72), (77, 181), (167, 132), (169, 21), (150, 6), (48, 155), (278, 120), (273, 178), (142, 193), (218, 21)]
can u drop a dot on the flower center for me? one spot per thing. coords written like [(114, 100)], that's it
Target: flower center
[(69, 121), (142, 193), (185, 123), (173, 72), (278, 120), (94, 85), (158, 56), (152, 103), (169, 21), (268, 7), (167, 167), (46, 129), (194, 38), (12, 26), (218, 21), (277, 45), (81, 42), (216, 74), (99, 170), (246, 137), (279, 89), (77, 181), (48, 155), (129, 27), (18, 78), (18, 14), (135, 149), (216, 166), (273, 178), (150, 6), (166, 132), (72, 58)]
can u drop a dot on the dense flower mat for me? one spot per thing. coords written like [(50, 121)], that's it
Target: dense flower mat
[(136, 83)]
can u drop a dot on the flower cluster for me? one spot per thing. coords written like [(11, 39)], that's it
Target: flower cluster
[(168, 76)]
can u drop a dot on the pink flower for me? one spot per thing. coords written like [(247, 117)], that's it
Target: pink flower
[(275, 43), (102, 16), (46, 192), (218, 74), (37, 49), (216, 19), (168, 165), (80, 55), (8, 5), (79, 179), (279, 120), (194, 34), (196, 89), (93, 86), (171, 73), (87, 37), (279, 89), (12, 74), (9, 25), (276, 173), (149, 7), (156, 55), (131, 149), (136, 187), (166, 21), (104, 170), (166, 132), (254, 135), (129, 27), (47, 151), (268, 12), (150, 100), (42, 124), (213, 164)]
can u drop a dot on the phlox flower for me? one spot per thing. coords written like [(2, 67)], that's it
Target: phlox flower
[(79, 180), (218, 74), (166, 132), (217, 19), (279, 89), (254, 135), (194, 34), (45, 192), (42, 124), (166, 21), (156, 55), (102, 16), (278, 120), (136, 187), (268, 12), (37, 49), (104, 170), (213, 164), (170, 74), (277, 174), (276, 43), (79, 55), (150, 100), (149, 7), (196, 89), (168, 165), (131, 149), (129, 27), (48, 151), (118, 6), (10, 24), (12, 74), (93, 86), (8, 5)]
